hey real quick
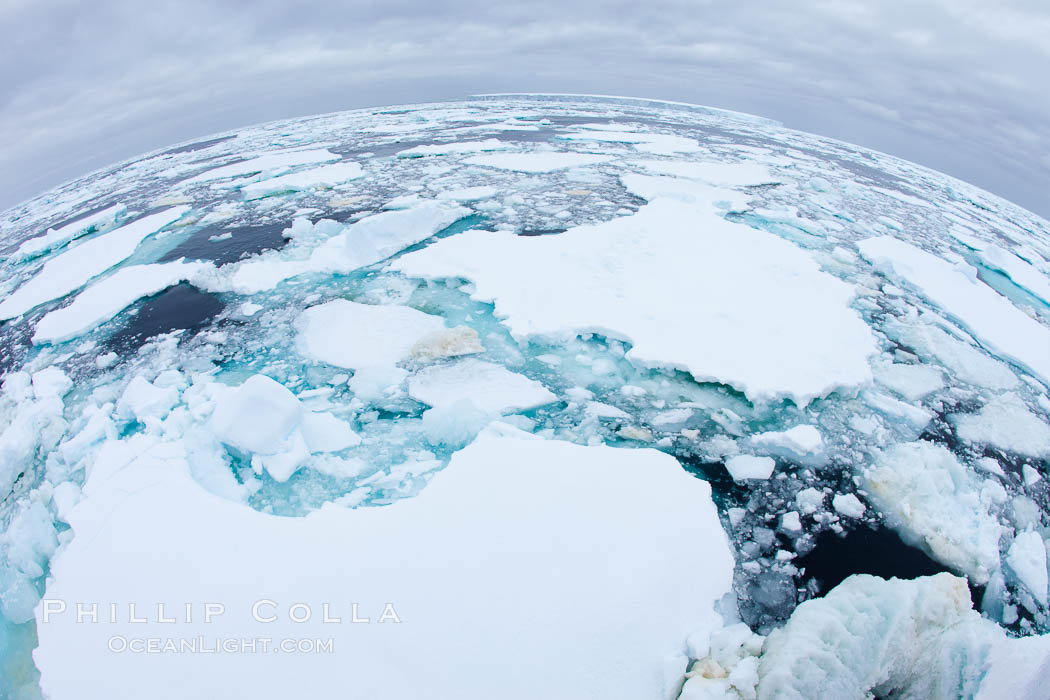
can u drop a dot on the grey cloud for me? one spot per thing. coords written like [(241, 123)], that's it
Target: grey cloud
[(953, 85)]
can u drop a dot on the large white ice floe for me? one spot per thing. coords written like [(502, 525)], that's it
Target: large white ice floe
[(724, 174), (535, 569), (662, 279), (73, 268)]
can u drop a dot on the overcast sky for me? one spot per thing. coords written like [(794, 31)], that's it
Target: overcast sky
[(957, 85)]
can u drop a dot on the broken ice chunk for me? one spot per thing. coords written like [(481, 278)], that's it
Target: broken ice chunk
[(803, 443), (324, 432), (849, 505), (742, 467), (1006, 423), (351, 335), (142, 400), (258, 417), (1027, 560), (928, 496), (491, 388), (899, 638)]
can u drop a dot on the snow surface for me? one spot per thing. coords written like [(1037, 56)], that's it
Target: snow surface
[(789, 331), (70, 270), (503, 539)]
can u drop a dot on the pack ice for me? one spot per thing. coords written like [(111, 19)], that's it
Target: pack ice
[(524, 396)]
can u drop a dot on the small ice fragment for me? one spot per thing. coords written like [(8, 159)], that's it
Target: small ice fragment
[(849, 505), (742, 467), (258, 417), (809, 500), (324, 432), (790, 522), (1027, 559)]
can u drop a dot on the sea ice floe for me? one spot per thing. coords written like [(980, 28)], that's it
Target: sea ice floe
[(490, 387), (724, 174), (954, 288), (502, 539), (71, 269), (789, 331), (325, 176), (647, 142), (348, 248), (536, 162), (55, 238), (105, 299), (271, 163), (454, 147), (355, 336), (1021, 272), (803, 444), (912, 382), (1006, 423)]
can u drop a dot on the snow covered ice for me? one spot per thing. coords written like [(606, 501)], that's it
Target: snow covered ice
[(569, 396)]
